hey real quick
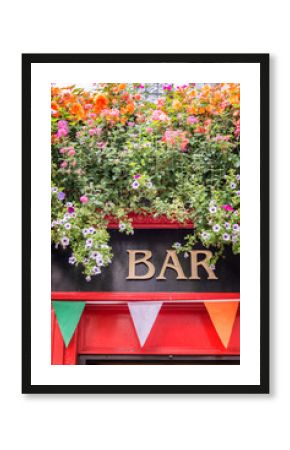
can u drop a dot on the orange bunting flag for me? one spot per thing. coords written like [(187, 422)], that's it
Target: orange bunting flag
[(223, 316)]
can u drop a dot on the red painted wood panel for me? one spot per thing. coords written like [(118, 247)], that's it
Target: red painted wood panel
[(141, 296), (59, 353), (179, 329), (57, 344)]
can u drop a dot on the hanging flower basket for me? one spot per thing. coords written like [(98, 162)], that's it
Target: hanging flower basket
[(121, 159)]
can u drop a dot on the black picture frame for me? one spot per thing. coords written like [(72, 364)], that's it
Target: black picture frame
[(263, 61)]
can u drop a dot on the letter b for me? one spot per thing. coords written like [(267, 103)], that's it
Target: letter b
[(144, 260)]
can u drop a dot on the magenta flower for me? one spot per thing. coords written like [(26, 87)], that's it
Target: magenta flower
[(228, 208), (62, 124), (138, 175), (70, 209), (62, 132), (84, 199), (62, 128)]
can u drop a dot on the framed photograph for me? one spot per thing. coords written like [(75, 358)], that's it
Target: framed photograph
[(145, 247)]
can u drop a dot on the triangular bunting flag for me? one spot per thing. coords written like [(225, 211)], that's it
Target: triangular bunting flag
[(222, 315), (144, 315), (68, 315)]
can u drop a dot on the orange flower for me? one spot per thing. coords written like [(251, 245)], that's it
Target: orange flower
[(176, 105), (54, 107), (55, 91), (192, 110), (101, 103), (77, 110), (234, 99), (130, 108)]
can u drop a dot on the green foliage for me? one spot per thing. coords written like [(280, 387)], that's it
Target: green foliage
[(104, 168)]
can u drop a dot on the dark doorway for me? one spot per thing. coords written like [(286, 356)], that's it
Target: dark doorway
[(158, 359)]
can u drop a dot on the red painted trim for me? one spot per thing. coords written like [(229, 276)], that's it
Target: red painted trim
[(147, 221), (71, 352), (139, 296), (152, 226), (60, 355), (57, 344)]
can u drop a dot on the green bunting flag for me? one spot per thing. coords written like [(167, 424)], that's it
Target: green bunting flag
[(68, 315)]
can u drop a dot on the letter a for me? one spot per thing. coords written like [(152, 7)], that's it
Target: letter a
[(175, 265)]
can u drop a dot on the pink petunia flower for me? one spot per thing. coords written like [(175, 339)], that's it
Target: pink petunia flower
[(84, 199), (191, 120), (228, 207)]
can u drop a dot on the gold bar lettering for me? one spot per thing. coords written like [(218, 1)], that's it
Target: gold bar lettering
[(143, 260), (175, 265), (195, 264)]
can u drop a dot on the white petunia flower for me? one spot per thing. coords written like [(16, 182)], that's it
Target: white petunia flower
[(65, 241), (212, 209)]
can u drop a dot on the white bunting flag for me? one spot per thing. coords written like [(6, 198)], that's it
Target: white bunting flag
[(144, 315)]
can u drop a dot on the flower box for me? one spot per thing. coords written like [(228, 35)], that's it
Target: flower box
[(147, 221)]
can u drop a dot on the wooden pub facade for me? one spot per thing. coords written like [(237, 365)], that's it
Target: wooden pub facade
[(198, 316)]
